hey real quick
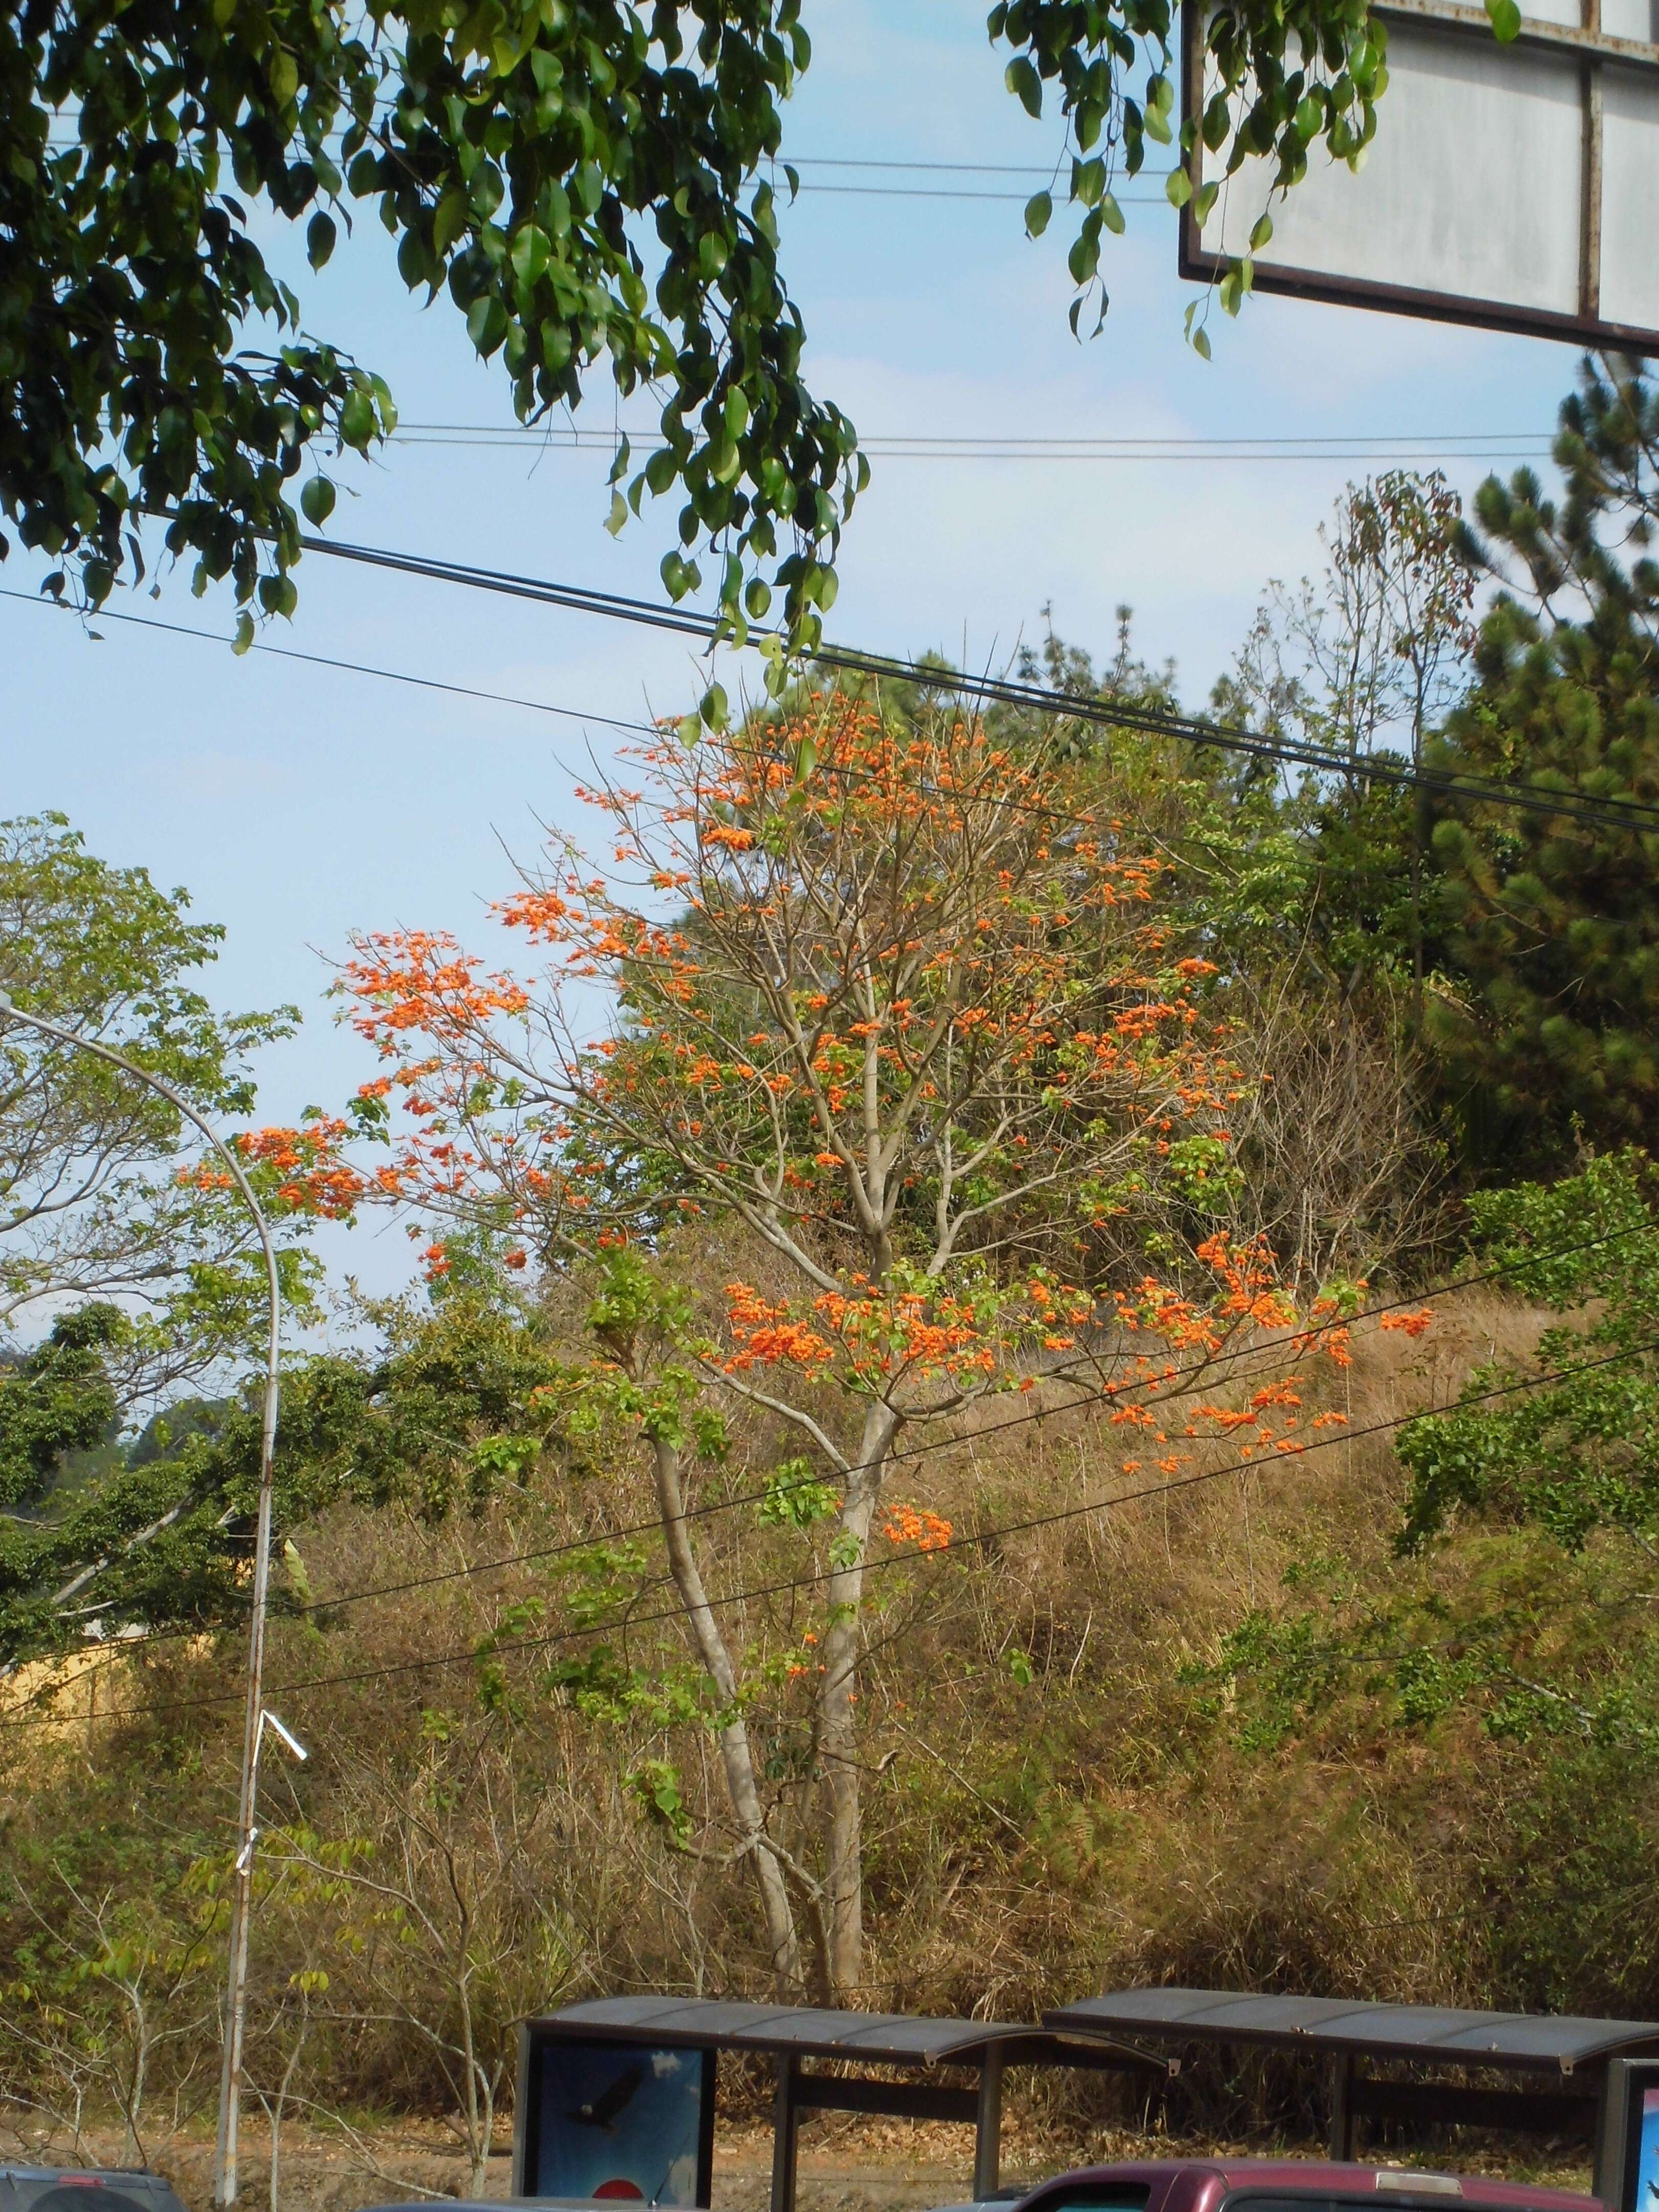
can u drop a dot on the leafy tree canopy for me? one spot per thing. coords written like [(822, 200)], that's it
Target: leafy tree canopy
[(1549, 926), (589, 181), (428, 1422), (92, 1203)]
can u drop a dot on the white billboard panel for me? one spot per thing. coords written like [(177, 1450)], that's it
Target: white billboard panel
[(1514, 186), (1630, 196)]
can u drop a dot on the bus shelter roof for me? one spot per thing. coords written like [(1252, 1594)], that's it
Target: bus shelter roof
[(1428, 2033), (814, 2032)]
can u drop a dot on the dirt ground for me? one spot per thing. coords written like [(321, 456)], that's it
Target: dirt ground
[(845, 2165)]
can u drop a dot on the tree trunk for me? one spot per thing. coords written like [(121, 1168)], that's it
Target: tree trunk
[(736, 1758), (843, 1854)]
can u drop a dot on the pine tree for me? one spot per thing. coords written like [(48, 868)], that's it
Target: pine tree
[(1549, 1016)]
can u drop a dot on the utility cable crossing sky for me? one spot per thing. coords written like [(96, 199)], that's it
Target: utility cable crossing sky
[(1106, 712)]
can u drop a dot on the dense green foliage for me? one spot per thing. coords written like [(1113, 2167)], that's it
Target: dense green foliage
[(438, 1416), (590, 183), (1530, 1518), (92, 1204), (1550, 931)]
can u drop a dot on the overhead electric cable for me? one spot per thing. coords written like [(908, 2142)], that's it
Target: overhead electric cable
[(1104, 713), (607, 438), (905, 1556), (328, 660), (1345, 447), (1260, 1359), (812, 187), (1627, 814)]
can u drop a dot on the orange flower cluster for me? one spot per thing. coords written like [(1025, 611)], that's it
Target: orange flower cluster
[(420, 980), (907, 1524), (315, 1178), (770, 1335), (877, 1339), (1412, 1324)]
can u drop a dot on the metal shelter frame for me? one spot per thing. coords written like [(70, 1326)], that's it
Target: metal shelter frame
[(1561, 2047), (792, 2034)]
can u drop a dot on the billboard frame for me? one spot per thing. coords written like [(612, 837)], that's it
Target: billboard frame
[(1594, 48)]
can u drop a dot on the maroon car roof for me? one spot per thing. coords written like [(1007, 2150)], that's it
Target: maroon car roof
[(1325, 2177)]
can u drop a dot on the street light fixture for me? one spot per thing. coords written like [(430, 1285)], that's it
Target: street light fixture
[(230, 2085)]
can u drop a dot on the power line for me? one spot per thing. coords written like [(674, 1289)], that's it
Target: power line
[(811, 187), (1041, 172), (934, 168), (1262, 1358), (1265, 1357), (1627, 814), (902, 1557), (608, 438), (479, 437), (328, 660), (1104, 713)]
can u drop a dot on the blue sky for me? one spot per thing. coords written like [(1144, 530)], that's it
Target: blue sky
[(298, 803)]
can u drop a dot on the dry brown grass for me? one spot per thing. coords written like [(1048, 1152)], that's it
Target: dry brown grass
[(1027, 1842)]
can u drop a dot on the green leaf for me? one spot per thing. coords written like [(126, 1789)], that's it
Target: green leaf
[(1111, 215), (1089, 181), (284, 77), (1177, 188), (1039, 208), (244, 637), (1201, 343), (486, 322), (1505, 19), (319, 239), (1203, 201), (316, 501), (619, 514), (1022, 81), (357, 423), (1261, 234), (531, 252)]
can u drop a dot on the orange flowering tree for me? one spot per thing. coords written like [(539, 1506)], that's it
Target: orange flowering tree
[(864, 993)]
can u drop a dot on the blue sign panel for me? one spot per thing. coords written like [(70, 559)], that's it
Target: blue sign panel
[(1646, 2198), (628, 2122)]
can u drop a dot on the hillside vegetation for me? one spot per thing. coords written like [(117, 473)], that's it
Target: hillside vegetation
[(1060, 1801), (1035, 1367)]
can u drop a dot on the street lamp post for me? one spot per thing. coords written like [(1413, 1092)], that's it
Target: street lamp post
[(230, 2082)]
